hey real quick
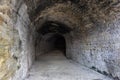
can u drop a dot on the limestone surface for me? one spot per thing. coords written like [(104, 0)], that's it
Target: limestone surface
[(90, 29)]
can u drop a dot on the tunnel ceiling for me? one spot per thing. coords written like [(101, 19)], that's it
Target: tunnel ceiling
[(53, 27), (74, 13), (86, 7)]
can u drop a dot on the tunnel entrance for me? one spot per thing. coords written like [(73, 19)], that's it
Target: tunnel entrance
[(58, 43), (51, 42), (53, 37)]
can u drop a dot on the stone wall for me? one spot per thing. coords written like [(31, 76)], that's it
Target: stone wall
[(24, 45), (94, 40), (16, 42), (99, 49), (44, 44), (6, 42)]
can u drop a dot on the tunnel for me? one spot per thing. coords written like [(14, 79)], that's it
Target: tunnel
[(51, 42), (58, 43), (59, 40), (53, 37)]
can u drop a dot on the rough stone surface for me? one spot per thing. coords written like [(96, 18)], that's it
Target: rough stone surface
[(93, 39), (6, 41)]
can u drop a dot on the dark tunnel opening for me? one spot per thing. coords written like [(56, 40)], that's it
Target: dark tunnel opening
[(53, 37), (58, 43)]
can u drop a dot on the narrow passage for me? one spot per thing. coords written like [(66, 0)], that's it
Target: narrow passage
[(55, 66)]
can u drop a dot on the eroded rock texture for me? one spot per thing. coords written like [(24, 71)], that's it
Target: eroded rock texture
[(91, 29)]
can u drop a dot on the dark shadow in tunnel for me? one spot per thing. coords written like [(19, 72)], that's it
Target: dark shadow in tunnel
[(53, 27), (58, 43)]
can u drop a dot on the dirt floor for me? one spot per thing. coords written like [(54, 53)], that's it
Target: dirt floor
[(55, 66)]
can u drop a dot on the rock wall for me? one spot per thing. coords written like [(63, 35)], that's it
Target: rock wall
[(99, 49), (24, 46), (44, 44), (16, 45), (6, 42), (94, 40)]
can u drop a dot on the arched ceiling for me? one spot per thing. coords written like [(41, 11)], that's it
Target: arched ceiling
[(85, 6), (83, 15)]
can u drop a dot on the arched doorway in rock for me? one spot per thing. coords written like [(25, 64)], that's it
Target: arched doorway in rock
[(51, 42), (52, 38), (60, 43)]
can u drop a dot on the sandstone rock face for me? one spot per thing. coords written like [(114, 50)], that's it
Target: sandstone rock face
[(92, 34), (6, 41)]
